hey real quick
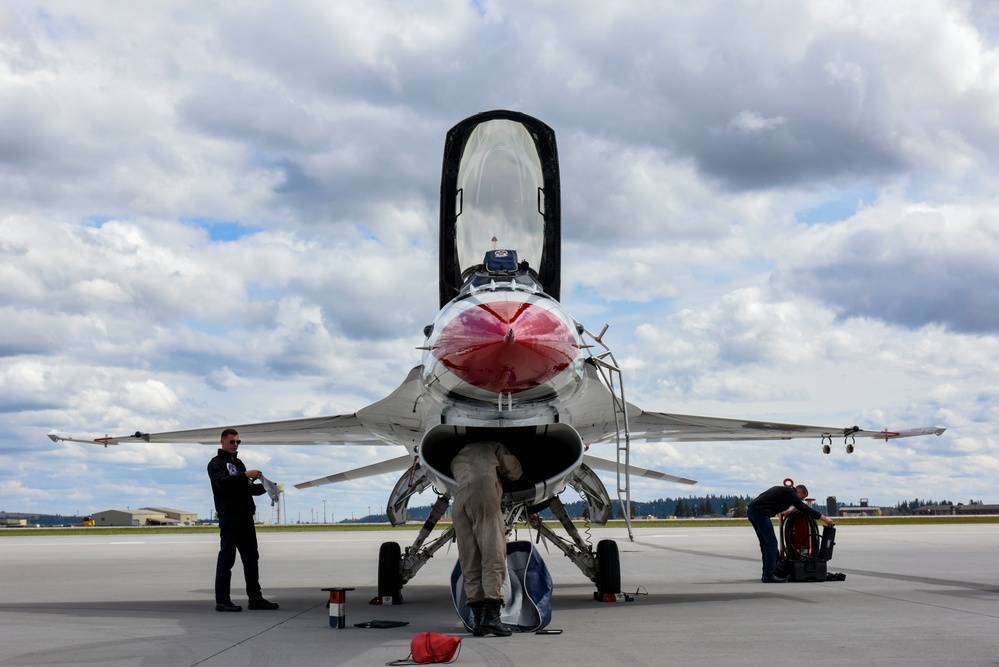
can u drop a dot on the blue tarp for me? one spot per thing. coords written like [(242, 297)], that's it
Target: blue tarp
[(527, 590)]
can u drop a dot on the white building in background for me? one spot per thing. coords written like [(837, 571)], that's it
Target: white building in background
[(146, 516)]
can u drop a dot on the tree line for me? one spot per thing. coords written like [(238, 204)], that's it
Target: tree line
[(662, 508)]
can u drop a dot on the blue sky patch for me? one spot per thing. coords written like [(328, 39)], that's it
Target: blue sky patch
[(97, 221), (222, 230), (204, 326), (844, 206), (260, 293)]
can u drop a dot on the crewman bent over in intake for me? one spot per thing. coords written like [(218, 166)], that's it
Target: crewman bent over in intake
[(481, 530)]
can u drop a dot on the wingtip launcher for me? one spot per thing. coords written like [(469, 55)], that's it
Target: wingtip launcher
[(57, 436)]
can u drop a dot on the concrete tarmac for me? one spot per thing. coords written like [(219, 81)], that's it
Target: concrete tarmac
[(913, 595)]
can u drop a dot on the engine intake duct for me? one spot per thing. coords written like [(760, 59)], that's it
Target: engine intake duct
[(548, 455)]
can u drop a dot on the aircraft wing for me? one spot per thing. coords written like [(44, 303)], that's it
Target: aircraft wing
[(592, 415), (611, 466), (390, 421), (662, 426), (306, 431)]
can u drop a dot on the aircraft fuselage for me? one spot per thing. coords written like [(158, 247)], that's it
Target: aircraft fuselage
[(500, 360)]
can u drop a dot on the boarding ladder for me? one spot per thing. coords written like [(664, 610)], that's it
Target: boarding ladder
[(610, 374)]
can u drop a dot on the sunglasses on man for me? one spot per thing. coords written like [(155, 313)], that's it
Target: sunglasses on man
[(235, 442)]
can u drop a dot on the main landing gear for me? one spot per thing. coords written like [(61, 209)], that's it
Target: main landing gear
[(608, 569), (602, 566), (389, 574)]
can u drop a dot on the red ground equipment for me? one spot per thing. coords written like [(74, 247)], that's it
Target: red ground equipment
[(803, 551)]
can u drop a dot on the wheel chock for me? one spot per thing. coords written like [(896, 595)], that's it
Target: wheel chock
[(613, 597), (386, 599)]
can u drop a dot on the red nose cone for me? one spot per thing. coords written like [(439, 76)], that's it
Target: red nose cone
[(506, 346)]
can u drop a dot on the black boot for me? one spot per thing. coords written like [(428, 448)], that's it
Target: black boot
[(491, 623), (476, 608)]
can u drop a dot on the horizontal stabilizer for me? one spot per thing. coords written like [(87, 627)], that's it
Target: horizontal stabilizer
[(611, 466), (392, 465)]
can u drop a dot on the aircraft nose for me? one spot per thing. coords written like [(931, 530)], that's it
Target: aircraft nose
[(506, 346)]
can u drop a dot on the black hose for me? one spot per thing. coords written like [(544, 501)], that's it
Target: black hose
[(801, 536)]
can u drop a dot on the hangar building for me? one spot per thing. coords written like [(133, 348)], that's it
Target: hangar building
[(146, 516)]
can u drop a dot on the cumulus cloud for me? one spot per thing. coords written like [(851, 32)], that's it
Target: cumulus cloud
[(228, 214), (753, 123), (909, 264)]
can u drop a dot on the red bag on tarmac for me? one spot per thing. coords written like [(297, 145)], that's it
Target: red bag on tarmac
[(430, 647)]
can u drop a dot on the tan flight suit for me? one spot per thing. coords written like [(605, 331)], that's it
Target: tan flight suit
[(478, 517)]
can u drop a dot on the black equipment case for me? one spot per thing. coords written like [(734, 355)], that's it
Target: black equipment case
[(806, 554), (810, 569)]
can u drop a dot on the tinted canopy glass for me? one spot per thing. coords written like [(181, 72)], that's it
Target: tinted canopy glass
[(500, 195)]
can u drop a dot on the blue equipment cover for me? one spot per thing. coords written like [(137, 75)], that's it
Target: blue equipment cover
[(527, 590)]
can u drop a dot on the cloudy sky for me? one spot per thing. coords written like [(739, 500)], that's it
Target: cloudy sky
[(214, 213)]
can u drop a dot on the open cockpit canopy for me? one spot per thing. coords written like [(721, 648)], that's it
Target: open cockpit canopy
[(499, 190)]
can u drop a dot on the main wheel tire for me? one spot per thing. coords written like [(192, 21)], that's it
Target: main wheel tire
[(608, 568), (389, 569)]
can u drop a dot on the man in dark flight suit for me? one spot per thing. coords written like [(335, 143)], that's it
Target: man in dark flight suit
[(233, 488)]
